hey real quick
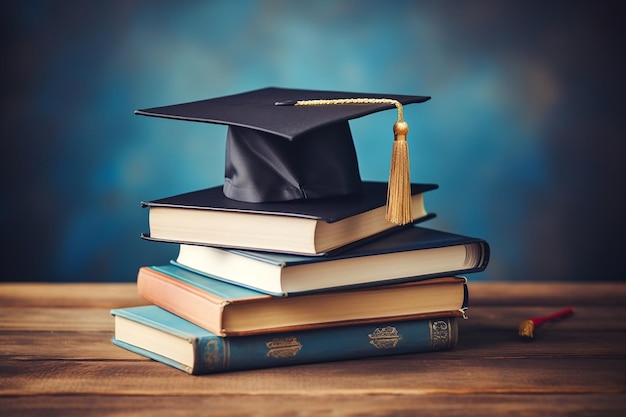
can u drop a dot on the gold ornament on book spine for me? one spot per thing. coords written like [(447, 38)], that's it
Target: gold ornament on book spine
[(286, 347), (439, 334), (385, 337), (212, 357), (399, 188)]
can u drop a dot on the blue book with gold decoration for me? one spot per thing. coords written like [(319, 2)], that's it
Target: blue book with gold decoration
[(164, 337)]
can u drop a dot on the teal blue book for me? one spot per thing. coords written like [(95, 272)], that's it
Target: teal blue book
[(164, 337)]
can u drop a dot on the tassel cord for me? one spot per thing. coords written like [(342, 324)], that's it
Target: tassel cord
[(363, 100)]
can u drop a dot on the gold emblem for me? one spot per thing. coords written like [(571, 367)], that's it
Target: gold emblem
[(385, 337), (285, 347), (212, 354), (439, 334)]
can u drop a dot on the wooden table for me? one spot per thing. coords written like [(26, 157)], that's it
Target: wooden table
[(57, 358)]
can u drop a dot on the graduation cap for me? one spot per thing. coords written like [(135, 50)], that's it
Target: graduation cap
[(290, 144)]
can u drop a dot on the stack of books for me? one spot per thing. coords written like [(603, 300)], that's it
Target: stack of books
[(273, 284), (292, 260)]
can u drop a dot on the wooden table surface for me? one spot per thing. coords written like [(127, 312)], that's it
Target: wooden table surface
[(56, 358)]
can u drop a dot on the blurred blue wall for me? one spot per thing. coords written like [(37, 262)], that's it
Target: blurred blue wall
[(525, 132)]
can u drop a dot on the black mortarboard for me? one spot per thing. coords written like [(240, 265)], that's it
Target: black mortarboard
[(278, 151)]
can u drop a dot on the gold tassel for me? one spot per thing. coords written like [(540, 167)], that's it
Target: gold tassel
[(399, 186), (526, 329)]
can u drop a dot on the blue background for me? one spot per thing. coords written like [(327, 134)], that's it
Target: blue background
[(524, 133)]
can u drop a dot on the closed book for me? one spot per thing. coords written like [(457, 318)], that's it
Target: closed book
[(231, 310), (409, 254), (164, 337), (309, 227)]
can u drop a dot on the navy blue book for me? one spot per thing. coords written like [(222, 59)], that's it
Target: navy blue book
[(410, 254), (307, 227), (164, 337)]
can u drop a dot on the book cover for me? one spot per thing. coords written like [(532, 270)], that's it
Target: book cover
[(232, 310), (373, 194), (310, 227), (164, 337), (409, 254)]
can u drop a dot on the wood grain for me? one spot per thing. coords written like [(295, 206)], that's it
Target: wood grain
[(69, 295), (277, 405), (56, 358), (399, 375)]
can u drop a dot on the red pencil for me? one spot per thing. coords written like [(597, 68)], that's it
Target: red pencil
[(527, 327)]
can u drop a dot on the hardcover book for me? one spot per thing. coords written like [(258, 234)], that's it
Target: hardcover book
[(407, 255), (310, 227), (164, 337), (231, 310)]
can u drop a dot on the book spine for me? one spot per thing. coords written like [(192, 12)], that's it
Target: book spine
[(221, 354), (188, 302)]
